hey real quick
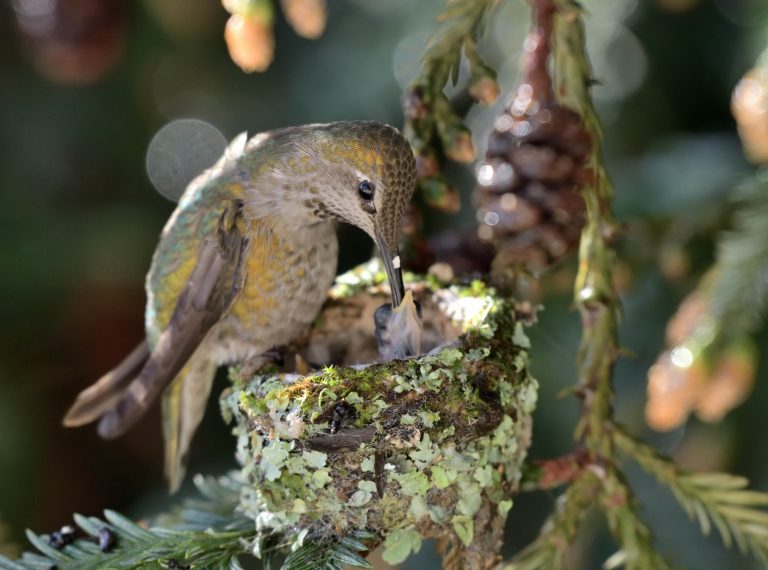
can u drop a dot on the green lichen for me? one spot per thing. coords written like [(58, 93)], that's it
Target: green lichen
[(426, 447)]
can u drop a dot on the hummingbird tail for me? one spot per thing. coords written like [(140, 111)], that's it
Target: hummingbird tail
[(103, 395), (205, 297), (121, 397), (184, 405)]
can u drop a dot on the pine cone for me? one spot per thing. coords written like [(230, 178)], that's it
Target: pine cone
[(527, 196)]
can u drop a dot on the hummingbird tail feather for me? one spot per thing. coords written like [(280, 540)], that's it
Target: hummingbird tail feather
[(102, 395), (122, 397), (205, 297), (184, 405)]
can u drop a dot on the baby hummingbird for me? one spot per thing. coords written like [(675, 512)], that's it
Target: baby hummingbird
[(244, 264)]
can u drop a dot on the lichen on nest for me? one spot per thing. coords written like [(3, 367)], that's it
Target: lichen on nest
[(411, 449)]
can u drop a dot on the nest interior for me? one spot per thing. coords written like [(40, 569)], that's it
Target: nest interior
[(410, 449)]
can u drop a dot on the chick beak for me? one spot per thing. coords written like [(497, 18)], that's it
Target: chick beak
[(391, 258)]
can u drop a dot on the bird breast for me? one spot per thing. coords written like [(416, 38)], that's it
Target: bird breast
[(287, 275)]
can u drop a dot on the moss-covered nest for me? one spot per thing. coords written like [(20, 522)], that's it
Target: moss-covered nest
[(426, 447)]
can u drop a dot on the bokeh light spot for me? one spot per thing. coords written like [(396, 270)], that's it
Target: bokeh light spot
[(682, 357), (179, 152)]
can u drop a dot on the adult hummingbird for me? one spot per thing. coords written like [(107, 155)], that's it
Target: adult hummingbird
[(244, 264)]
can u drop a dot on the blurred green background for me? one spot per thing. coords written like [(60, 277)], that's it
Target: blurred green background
[(79, 218)]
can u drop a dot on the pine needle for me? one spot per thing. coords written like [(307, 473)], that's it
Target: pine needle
[(717, 500)]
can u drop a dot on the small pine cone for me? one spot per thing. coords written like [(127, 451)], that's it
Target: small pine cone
[(527, 196), (552, 125), (564, 204), (508, 214), (541, 162)]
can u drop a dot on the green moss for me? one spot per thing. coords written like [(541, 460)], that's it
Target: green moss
[(439, 437)]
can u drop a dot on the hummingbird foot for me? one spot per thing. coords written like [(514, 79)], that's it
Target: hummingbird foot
[(275, 356)]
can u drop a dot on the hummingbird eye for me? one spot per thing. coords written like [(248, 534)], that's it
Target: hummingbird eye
[(365, 190)]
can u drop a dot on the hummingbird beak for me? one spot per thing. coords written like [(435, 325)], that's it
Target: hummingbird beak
[(391, 258)]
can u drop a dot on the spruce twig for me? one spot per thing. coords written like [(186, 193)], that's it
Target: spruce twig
[(712, 499), (207, 532), (550, 549), (330, 555), (431, 122), (594, 293), (740, 287), (598, 301), (634, 537)]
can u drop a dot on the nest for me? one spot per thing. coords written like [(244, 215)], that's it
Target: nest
[(428, 447)]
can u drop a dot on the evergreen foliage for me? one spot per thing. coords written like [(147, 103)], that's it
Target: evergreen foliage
[(206, 532), (740, 288)]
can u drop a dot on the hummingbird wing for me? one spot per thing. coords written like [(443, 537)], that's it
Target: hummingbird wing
[(205, 297)]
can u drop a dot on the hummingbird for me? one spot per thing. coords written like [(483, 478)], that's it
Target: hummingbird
[(244, 263)]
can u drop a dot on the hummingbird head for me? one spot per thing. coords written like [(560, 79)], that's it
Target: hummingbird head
[(372, 174), (359, 172)]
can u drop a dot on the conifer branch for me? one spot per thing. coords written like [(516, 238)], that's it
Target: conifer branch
[(594, 292), (634, 537), (431, 122), (712, 499), (740, 287), (204, 533), (598, 302), (550, 549)]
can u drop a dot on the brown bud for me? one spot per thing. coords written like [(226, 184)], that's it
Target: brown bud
[(306, 17), (688, 317), (439, 195), (749, 105), (415, 104), (484, 89), (427, 164), (250, 42), (672, 391), (730, 383), (458, 145)]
